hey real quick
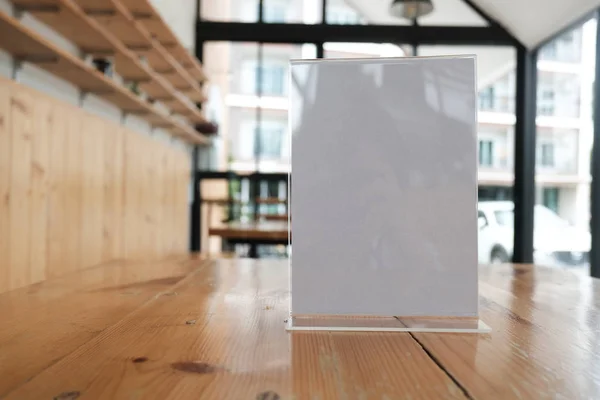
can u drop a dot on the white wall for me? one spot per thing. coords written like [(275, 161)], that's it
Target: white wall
[(32, 76), (180, 16)]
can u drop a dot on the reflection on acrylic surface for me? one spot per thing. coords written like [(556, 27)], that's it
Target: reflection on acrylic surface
[(384, 187)]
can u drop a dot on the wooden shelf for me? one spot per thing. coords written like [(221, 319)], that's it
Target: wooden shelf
[(113, 15), (28, 46), (145, 12), (96, 36)]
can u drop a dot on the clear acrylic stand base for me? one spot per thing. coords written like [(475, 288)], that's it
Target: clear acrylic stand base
[(386, 324)]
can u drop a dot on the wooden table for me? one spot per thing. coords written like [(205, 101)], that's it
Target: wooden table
[(252, 233), (193, 329)]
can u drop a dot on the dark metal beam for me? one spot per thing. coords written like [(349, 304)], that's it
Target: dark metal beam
[(525, 132), (196, 206), (320, 50), (302, 33), (595, 190)]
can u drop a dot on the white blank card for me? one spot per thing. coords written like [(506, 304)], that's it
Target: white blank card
[(384, 187)]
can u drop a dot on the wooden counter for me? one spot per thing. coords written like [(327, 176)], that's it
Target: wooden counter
[(194, 329)]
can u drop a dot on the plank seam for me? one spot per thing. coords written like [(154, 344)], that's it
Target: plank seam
[(441, 366)]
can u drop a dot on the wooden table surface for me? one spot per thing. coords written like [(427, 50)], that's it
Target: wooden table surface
[(188, 328), (257, 230)]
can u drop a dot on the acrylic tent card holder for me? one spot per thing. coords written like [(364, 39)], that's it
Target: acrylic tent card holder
[(383, 195)]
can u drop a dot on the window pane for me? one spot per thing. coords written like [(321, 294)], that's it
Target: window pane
[(232, 71), (341, 13), (254, 102), (563, 152), (496, 79), (292, 11), (356, 12), (230, 10), (363, 50), (273, 142)]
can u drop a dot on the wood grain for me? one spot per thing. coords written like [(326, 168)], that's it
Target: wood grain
[(5, 178), (188, 329), (21, 118), (44, 322), (67, 179), (43, 127), (219, 334), (545, 341)]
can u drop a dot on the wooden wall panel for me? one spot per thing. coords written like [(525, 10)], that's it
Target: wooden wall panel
[(77, 190), (58, 197), (21, 119), (5, 177), (73, 192), (43, 126), (113, 195)]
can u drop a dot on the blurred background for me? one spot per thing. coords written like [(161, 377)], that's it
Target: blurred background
[(250, 101)]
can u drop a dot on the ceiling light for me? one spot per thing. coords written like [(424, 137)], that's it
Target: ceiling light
[(411, 9)]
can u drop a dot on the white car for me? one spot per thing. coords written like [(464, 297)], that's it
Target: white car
[(556, 242)]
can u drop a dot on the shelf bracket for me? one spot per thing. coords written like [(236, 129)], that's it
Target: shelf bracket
[(136, 112), (38, 8), (141, 15), (99, 52), (39, 59), (139, 81), (100, 12), (139, 48), (166, 71)]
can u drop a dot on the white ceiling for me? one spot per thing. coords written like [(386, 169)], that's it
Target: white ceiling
[(533, 21), (530, 21)]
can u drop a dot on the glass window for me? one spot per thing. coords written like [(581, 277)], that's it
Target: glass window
[(254, 126), (547, 155), (271, 135), (566, 49), (229, 11), (272, 75), (362, 50), (564, 142), (273, 79), (558, 91), (274, 11), (292, 11), (445, 13), (340, 13), (487, 99), (486, 153), (550, 198), (496, 98)]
